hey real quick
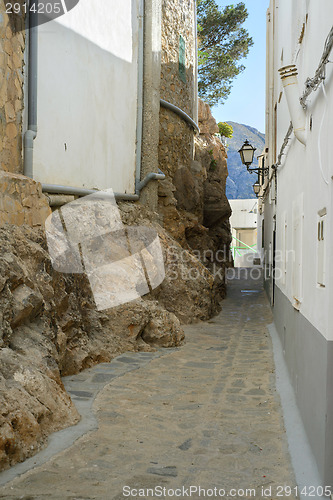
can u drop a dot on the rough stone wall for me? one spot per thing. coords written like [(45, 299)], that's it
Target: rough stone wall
[(21, 198), (22, 201), (12, 45), (177, 19), (176, 137)]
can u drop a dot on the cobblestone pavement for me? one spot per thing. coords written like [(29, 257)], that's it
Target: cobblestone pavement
[(205, 415)]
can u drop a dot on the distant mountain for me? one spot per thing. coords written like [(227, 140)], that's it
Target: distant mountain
[(240, 181)]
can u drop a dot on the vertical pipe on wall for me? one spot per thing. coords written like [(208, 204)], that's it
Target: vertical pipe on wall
[(195, 107), (151, 97), (31, 133), (140, 94)]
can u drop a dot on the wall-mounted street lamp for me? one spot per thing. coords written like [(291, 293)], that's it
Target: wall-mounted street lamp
[(247, 153), (256, 188)]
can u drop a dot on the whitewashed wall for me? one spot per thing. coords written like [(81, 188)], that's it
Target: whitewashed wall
[(244, 216), (87, 97), (305, 177), (303, 307), (244, 213)]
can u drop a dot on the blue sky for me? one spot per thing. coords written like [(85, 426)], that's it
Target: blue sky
[(246, 102)]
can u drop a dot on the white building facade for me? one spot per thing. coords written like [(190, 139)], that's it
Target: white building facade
[(87, 96), (295, 221), (243, 222), (92, 99)]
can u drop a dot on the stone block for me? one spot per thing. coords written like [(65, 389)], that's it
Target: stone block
[(8, 47), (22, 201), (33, 189), (17, 60), (9, 204), (18, 105), (36, 218), (27, 201), (3, 93), (19, 219), (28, 218), (27, 303), (9, 33), (11, 131)]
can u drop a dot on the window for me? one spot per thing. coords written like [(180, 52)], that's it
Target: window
[(247, 238), (321, 248)]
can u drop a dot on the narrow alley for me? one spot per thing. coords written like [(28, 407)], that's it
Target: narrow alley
[(206, 414)]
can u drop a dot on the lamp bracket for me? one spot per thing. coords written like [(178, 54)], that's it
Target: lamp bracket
[(262, 171)]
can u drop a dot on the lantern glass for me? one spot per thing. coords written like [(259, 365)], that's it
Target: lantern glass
[(246, 153), (256, 188)]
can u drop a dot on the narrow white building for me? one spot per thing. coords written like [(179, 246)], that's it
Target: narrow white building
[(93, 80), (243, 223), (296, 211)]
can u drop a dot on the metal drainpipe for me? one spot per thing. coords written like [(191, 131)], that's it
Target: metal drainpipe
[(57, 189), (76, 191), (31, 134), (140, 95), (181, 113), (195, 110)]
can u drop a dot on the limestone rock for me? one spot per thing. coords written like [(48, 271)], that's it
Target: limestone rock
[(193, 205), (33, 403), (27, 303), (207, 122), (50, 327), (187, 196), (188, 289), (163, 329)]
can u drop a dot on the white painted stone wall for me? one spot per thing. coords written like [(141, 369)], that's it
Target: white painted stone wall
[(305, 177), (87, 97)]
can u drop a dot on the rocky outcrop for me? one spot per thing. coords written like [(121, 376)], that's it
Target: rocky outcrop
[(188, 289), (50, 327), (210, 152), (193, 203)]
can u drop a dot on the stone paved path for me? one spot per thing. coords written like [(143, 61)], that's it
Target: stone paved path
[(205, 415)]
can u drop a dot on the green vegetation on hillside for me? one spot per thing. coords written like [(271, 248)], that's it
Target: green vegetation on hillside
[(225, 129)]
